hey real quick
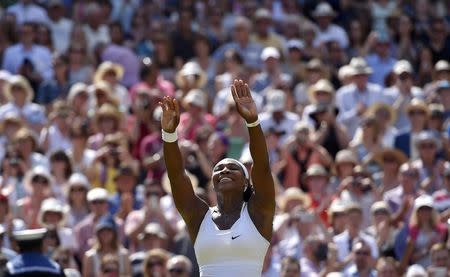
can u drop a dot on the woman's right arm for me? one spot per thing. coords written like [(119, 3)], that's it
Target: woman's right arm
[(191, 208)]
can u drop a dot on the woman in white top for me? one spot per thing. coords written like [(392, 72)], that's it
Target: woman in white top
[(232, 238)]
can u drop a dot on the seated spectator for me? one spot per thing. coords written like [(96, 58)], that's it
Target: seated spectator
[(25, 11), (423, 232), (387, 267), (179, 265), (81, 156), (190, 77), (385, 116), (390, 160), (38, 184), (52, 215), (106, 243), (108, 120), (381, 59), (20, 94), (327, 30), (58, 86), (362, 262), (78, 100), (55, 136), (155, 263), (76, 198), (314, 260), (290, 267), (440, 256), (368, 140), (80, 69)]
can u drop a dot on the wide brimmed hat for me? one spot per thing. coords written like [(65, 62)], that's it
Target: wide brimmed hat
[(37, 171), (417, 104), (153, 229), (105, 67), (11, 117), (197, 98), (373, 109), (442, 65), (345, 71), (380, 206), (315, 170), (76, 89), (428, 136), (321, 85), (323, 9), (424, 201), (402, 66), (360, 66), (191, 69), (345, 156), (399, 156), (108, 111), (19, 81), (294, 194), (53, 205)]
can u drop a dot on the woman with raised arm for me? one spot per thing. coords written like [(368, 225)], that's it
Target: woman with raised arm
[(232, 238)]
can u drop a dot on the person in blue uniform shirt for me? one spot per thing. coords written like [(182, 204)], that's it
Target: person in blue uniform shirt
[(31, 261)]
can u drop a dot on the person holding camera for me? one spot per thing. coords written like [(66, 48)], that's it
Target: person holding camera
[(318, 258)]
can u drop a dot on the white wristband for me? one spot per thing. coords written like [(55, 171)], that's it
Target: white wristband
[(169, 137), (253, 124)]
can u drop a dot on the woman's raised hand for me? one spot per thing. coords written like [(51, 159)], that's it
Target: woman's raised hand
[(245, 104), (170, 115)]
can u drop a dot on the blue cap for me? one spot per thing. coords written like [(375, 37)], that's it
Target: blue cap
[(106, 222), (442, 85)]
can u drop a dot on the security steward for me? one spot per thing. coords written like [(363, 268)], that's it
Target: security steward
[(31, 261)]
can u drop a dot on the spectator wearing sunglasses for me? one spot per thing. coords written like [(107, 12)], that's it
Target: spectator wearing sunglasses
[(179, 265), (155, 263)]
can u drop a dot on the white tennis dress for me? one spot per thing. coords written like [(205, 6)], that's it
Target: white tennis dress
[(238, 251)]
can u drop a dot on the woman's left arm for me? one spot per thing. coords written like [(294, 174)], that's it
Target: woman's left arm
[(263, 201)]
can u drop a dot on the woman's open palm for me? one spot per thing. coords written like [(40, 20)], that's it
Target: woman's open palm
[(170, 115), (245, 104)]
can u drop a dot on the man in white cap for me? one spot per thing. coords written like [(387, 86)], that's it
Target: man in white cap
[(403, 92), (271, 77), (276, 115), (354, 99), (328, 31), (31, 261)]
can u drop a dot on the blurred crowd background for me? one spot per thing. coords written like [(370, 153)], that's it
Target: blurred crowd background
[(354, 100)]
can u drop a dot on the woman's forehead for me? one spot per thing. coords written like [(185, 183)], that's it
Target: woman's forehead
[(228, 161)]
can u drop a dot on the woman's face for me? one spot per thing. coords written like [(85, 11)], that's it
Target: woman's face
[(390, 163), (105, 236), (355, 31), (155, 266), (228, 176), (110, 77), (52, 218), (40, 186), (107, 125), (368, 131), (387, 270), (58, 167), (345, 169), (424, 214), (78, 193), (19, 94)]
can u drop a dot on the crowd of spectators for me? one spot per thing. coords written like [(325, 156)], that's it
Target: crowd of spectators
[(354, 100)]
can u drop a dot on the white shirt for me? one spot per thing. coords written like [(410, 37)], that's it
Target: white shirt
[(286, 125), (40, 57), (56, 140), (33, 113), (28, 13), (61, 31), (238, 251), (94, 37), (342, 242), (347, 99), (332, 33)]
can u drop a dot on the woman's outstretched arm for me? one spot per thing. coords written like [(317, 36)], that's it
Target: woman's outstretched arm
[(262, 203), (191, 208)]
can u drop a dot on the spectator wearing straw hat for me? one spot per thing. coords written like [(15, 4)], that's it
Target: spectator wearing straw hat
[(403, 92), (327, 30), (112, 74), (262, 20), (353, 100), (20, 94), (418, 114), (386, 117), (390, 160)]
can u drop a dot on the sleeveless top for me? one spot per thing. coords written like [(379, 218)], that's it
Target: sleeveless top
[(238, 251)]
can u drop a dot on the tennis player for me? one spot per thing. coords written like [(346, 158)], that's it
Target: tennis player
[(232, 238)]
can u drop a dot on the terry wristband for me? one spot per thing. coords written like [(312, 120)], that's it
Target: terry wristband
[(253, 124), (169, 137)]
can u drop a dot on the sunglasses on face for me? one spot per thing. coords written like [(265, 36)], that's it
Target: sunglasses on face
[(418, 112), (98, 202), (389, 160), (177, 270), (78, 189), (427, 146)]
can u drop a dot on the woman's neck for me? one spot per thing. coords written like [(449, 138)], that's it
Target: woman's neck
[(229, 204)]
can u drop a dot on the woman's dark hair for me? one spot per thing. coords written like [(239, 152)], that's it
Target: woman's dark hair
[(61, 156), (248, 192), (234, 56)]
